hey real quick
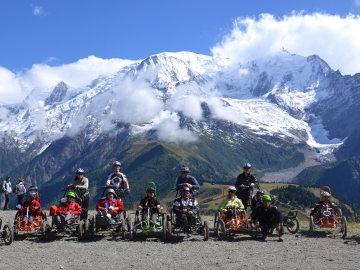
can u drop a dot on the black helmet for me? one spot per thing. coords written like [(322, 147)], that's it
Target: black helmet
[(150, 189), (185, 169), (117, 163), (80, 171), (186, 189), (31, 194)]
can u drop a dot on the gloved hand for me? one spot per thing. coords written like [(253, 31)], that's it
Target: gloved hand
[(252, 185), (127, 191), (242, 186)]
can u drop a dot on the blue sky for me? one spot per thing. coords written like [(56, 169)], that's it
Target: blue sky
[(42, 42), (58, 32)]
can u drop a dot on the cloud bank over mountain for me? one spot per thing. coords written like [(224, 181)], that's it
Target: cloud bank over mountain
[(333, 37)]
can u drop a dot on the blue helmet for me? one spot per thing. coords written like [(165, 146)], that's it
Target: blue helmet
[(247, 165)]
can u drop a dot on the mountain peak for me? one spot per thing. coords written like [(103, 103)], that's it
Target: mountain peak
[(57, 94)]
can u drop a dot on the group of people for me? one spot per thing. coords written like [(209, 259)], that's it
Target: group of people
[(264, 215), (19, 189)]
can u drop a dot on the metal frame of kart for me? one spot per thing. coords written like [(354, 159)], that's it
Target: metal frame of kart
[(148, 226), (328, 220), (199, 226), (237, 225), (37, 225), (120, 225), (7, 233), (81, 226)]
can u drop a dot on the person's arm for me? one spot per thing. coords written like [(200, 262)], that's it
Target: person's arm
[(37, 208), (120, 205), (196, 207), (238, 182), (194, 183), (254, 180), (61, 210), (77, 209), (179, 184), (239, 205), (222, 206), (177, 206), (100, 205)]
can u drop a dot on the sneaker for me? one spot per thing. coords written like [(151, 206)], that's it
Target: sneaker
[(281, 239), (263, 239)]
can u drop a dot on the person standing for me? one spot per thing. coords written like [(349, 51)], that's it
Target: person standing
[(186, 180), (80, 185), (243, 183), (118, 180), (21, 190), (6, 188)]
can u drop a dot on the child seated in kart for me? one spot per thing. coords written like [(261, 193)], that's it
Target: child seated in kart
[(70, 210), (227, 205), (186, 208), (110, 206), (150, 201), (325, 202), (30, 208), (257, 199)]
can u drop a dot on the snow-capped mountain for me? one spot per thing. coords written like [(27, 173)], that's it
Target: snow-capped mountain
[(284, 96)]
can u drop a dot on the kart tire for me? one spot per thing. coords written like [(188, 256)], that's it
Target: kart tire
[(311, 230), (169, 230), (123, 228), (293, 225), (86, 229), (206, 231), (130, 229), (81, 229), (221, 230), (343, 226), (45, 230), (8, 234)]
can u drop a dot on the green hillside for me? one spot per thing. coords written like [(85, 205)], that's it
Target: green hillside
[(343, 177)]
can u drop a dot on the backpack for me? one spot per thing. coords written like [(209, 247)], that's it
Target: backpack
[(16, 189)]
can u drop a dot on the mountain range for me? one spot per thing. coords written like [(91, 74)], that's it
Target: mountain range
[(282, 113)]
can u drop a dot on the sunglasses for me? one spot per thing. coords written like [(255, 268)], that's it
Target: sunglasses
[(247, 168)]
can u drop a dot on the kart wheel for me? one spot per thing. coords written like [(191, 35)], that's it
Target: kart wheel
[(92, 224), (216, 222), (221, 230), (134, 230), (169, 230), (81, 229), (206, 231), (164, 230), (344, 226), (45, 230), (8, 234), (293, 225), (86, 228), (130, 229), (123, 229), (311, 231), (339, 212)]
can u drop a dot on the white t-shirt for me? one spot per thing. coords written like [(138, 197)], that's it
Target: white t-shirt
[(117, 180)]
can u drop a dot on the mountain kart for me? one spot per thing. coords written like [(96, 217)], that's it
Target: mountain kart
[(7, 233)]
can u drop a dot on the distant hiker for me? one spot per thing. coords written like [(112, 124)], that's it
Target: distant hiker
[(324, 201), (6, 189), (20, 190), (80, 185), (186, 180), (243, 183), (267, 217), (118, 180)]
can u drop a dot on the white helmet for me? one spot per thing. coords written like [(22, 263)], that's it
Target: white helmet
[(231, 188), (325, 194)]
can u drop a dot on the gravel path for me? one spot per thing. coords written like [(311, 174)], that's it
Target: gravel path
[(323, 251)]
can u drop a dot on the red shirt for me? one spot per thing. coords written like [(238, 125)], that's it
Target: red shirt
[(118, 203), (71, 207), (34, 208)]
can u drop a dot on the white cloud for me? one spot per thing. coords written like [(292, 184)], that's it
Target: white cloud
[(37, 10), (10, 88), (333, 38), (169, 131), (42, 76)]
